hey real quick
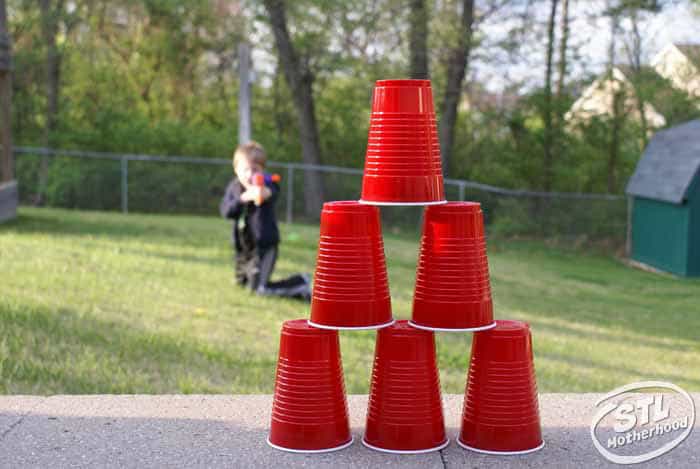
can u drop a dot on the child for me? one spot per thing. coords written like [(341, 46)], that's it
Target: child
[(255, 234)]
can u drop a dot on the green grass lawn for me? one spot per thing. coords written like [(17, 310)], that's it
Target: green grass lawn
[(106, 303)]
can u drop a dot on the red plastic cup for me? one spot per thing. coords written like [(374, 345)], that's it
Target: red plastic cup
[(351, 287), (309, 410), (402, 163), (453, 288), (501, 414), (404, 414)]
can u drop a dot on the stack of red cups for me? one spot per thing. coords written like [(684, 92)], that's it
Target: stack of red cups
[(452, 293)]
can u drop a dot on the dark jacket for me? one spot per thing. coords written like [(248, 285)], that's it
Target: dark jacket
[(259, 227)]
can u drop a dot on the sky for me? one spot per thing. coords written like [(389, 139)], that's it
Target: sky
[(591, 37)]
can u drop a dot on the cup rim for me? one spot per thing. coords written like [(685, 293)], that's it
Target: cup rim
[(403, 82), (351, 328), (339, 205), (499, 453), (402, 204), (297, 326), (324, 450), (449, 329), (402, 451)]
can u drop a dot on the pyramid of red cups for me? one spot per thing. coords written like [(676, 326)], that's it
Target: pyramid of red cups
[(452, 293)]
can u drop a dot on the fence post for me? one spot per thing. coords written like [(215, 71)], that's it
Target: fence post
[(244, 93), (461, 191), (290, 193), (125, 184)]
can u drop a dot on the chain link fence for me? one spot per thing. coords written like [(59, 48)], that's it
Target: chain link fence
[(177, 184)]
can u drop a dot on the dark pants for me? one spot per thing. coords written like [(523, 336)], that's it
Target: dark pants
[(254, 268)]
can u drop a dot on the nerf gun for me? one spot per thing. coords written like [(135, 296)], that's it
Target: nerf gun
[(262, 179)]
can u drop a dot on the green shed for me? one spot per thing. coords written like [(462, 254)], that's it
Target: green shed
[(665, 192)]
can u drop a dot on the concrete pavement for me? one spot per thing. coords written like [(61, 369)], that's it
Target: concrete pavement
[(230, 431)]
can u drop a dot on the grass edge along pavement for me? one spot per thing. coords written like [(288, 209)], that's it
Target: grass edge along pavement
[(99, 302)]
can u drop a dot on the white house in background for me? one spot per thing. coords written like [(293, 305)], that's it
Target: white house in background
[(680, 64), (598, 100)]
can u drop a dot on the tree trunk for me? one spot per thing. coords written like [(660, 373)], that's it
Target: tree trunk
[(49, 30), (636, 40), (637, 65), (613, 35), (276, 104), (456, 70), (6, 166), (547, 108), (559, 147), (300, 80), (618, 96), (244, 127), (619, 99), (418, 39), (563, 45)]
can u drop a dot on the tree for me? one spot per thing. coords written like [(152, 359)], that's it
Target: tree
[(617, 99), (300, 80), (6, 161), (632, 9), (547, 105), (458, 59), (53, 16), (635, 54), (563, 48), (49, 29), (418, 39)]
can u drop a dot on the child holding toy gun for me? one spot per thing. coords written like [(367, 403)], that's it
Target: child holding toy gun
[(250, 202)]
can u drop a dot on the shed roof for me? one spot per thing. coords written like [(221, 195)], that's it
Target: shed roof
[(669, 164)]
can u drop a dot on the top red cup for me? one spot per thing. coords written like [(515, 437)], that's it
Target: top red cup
[(403, 164)]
